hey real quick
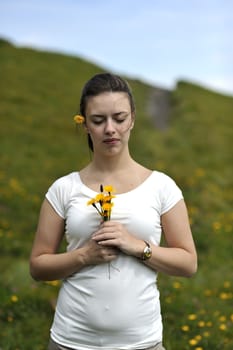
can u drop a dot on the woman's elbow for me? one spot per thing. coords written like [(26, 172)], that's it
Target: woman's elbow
[(34, 270), (192, 267)]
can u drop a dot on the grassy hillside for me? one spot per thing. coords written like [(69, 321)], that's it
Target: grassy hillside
[(38, 143)]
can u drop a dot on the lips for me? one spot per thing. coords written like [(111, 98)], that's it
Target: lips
[(111, 141)]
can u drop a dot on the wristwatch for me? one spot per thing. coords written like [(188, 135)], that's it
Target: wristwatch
[(147, 252)]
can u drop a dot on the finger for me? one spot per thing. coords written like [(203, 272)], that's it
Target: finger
[(109, 243), (109, 253), (103, 235)]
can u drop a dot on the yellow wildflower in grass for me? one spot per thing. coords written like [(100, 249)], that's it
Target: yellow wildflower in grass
[(185, 328), (227, 284), (193, 342), (54, 283), (206, 334), (14, 299), (198, 337), (222, 326), (222, 318), (201, 324), (176, 285), (231, 317), (192, 317), (199, 172), (79, 119), (168, 300), (225, 296), (16, 187), (216, 225), (209, 324), (208, 292), (102, 202), (198, 348)]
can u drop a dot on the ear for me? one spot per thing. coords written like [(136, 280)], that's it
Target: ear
[(132, 121)]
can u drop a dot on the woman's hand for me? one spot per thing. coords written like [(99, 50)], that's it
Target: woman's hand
[(94, 253), (114, 234)]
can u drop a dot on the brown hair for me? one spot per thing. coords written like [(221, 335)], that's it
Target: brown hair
[(100, 83)]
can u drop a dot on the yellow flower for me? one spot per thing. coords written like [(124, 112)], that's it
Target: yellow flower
[(54, 283), (79, 119), (99, 197), (108, 198), (206, 334), (109, 189), (91, 201), (198, 337), (193, 342), (222, 327), (107, 206), (208, 292), (192, 317), (227, 284), (176, 285), (222, 318), (185, 328), (225, 296), (14, 299), (168, 300)]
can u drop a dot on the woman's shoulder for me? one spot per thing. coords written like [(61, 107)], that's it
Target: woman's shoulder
[(67, 180), (163, 181), (160, 176)]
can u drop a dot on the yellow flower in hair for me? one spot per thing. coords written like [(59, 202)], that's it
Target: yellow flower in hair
[(79, 119)]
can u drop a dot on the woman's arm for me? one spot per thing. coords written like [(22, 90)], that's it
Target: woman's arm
[(46, 263), (179, 258)]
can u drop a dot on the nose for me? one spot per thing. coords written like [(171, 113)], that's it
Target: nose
[(109, 126)]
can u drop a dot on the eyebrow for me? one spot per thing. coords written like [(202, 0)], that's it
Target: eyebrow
[(114, 114)]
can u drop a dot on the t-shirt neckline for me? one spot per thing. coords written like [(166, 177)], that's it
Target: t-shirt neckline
[(91, 192)]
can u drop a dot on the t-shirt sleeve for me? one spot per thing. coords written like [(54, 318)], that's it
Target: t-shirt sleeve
[(56, 196), (171, 194)]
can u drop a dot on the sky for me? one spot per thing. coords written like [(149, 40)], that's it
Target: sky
[(156, 41)]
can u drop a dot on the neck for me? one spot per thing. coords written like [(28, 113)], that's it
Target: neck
[(111, 163)]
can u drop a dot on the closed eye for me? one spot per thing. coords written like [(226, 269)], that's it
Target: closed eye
[(120, 120), (97, 120)]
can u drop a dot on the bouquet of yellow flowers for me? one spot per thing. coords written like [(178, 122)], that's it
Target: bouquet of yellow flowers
[(102, 202)]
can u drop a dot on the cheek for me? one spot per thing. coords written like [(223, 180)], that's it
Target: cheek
[(94, 133)]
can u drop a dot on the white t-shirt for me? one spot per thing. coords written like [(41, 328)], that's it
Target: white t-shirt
[(111, 306)]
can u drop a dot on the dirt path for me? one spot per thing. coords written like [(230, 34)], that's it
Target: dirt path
[(159, 107)]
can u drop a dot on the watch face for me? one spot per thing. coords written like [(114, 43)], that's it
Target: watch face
[(147, 253)]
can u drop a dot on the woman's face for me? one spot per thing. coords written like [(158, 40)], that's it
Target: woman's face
[(108, 121)]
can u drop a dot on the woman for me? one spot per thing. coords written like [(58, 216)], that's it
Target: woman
[(109, 298)]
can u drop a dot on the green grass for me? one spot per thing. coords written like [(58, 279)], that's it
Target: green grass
[(39, 142)]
